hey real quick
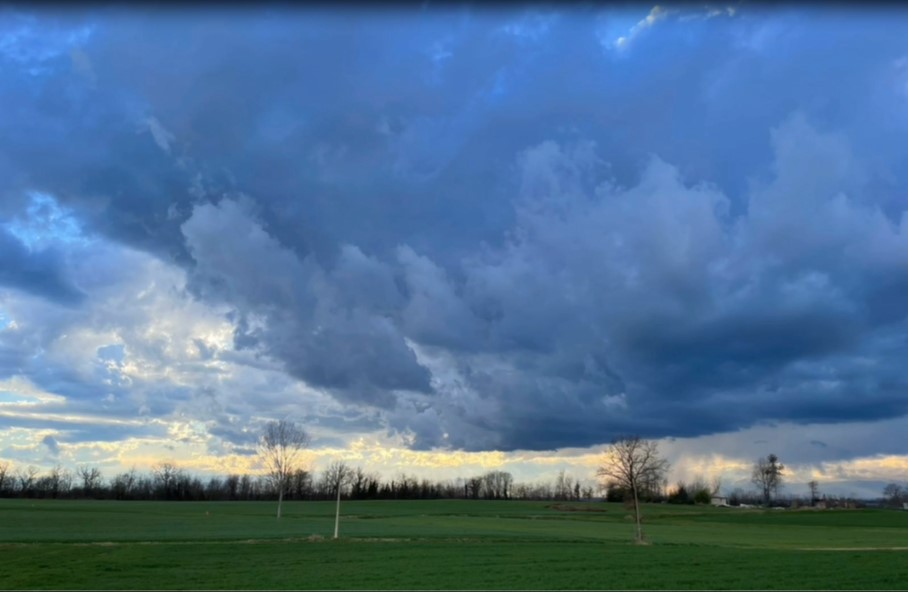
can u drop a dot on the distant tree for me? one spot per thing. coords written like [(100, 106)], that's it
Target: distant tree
[(167, 478), (281, 448), (59, 481), (700, 491), (216, 489), (337, 475), (299, 484), (246, 488), (615, 492), (232, 485), (5, 474), (562, 487), (767, 476), (716, 485), (814, 487), (633, 463), (695, 492), (91, 478), (473, 487), (702, 496), (123, 484), (679, 494), (894, 494), (26, 479), (363, 484), (497, 484)]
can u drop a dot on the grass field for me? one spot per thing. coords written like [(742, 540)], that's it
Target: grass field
[(443, 545)]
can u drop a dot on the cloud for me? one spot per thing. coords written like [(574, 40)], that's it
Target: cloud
[(51, 444), (39, 272), (654, 292), (473, 232), (285, 307), (656, 14), (161, 136)]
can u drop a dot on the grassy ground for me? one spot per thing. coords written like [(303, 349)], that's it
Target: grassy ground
[(438, 545)]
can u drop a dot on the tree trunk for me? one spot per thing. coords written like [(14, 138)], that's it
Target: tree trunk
[(637, 513), (280, 500), (337, 512)]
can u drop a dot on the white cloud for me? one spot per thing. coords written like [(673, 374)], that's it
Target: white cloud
[(623, 42), (656, 14), (162, 137)]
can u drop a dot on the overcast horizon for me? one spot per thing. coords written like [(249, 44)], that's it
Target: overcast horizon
[(452, 240)]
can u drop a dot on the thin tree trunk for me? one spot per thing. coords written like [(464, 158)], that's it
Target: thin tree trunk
[(280, 500), (637, 513), (337, 512)]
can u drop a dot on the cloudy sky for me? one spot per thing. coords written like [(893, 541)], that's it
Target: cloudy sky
[(454, 239)]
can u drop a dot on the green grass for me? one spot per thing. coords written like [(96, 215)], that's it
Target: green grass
[(443, 545)]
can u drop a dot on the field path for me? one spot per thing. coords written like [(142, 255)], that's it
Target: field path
[(853, 549)]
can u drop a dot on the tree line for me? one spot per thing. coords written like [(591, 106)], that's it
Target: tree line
[(167, 481), (632, 471)]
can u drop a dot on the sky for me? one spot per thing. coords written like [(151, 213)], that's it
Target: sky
[(455, 239)]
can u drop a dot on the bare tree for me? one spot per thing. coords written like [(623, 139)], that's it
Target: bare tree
[(814, 487), (497, 484), (299, 484), (767, 476), (91, 478), (4, 474), (123, 484), (633, 463), (281, 449), (336, 476), (361, 483), (894, 494), (473, 487), (59, 481), (716, 486), (167, 478), (26, 478), (561, 482)]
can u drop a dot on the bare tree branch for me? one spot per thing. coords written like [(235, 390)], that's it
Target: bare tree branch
[(281, 449), (767, 475), (636, 466)]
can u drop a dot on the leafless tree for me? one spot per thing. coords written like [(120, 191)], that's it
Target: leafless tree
[(124, 483), (26, 478), (91, 478), (497, 484), (715, 486), (473, 487), (562, 486), (336, 476), (634, 463), (167, 478), (281, 449), (361, 482), (894, 494), (4, 474), (814, 487), (299, 483), (59, 480), (767, 476)]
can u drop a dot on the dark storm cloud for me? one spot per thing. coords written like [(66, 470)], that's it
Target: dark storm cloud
[(359, 353), (40, 272), (498, 228)]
